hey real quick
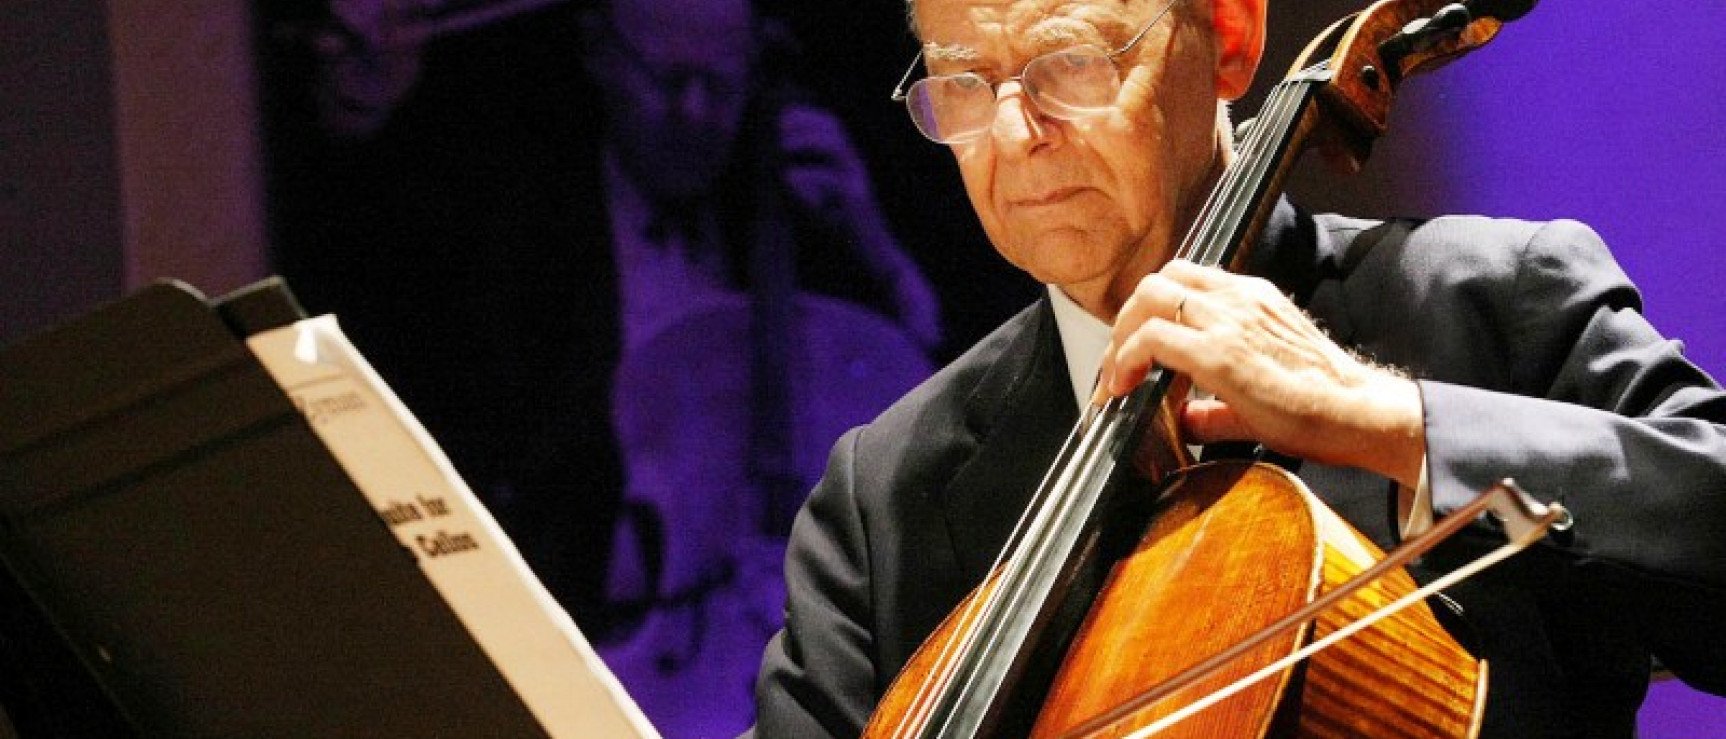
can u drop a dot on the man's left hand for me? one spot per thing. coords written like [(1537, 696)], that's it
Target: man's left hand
[(1278, 379)]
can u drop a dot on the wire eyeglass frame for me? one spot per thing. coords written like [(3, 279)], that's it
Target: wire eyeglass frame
[(1060, 109)]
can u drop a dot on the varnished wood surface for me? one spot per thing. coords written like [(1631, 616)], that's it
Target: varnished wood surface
[(1403, 677), (909, 698), (1248, 544), (1230, 555), (1360, 94)]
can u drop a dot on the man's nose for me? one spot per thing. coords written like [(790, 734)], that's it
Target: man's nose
[(1018, 121)]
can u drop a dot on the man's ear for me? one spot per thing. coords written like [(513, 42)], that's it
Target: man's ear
[(1239, 28)]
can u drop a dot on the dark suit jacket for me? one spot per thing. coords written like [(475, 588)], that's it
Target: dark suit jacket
[(1534, 362)]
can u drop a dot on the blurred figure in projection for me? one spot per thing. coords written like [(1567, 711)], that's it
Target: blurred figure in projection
[(751, 258)]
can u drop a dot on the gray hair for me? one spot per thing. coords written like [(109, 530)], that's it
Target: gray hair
[(911, 18)]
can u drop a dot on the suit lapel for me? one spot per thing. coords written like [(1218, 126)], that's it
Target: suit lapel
[(1023, 409), (1020, 413), (1307, 264)]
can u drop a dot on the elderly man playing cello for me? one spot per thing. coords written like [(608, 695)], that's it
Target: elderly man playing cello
[(1457, 351)]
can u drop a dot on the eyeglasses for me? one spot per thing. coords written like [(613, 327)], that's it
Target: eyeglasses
[(724, 78), (1066, 84)]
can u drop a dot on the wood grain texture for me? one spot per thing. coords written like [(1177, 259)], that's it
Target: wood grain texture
[(905, 707), (1241, 546), (1234, 551), (1403, 677)]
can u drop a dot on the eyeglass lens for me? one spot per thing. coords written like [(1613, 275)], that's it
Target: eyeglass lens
[(1067, 84)]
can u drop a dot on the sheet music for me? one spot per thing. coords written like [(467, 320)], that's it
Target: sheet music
[(458, 545)]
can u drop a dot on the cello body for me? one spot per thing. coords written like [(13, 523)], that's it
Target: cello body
[(1259, 543), (700, 550), (724, 415), (1228, 549), (1233, 546)]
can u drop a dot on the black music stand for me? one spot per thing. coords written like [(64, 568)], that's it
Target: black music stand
[(183, 557)]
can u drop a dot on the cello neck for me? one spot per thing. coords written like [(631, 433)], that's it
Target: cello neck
[(992, 675), (1057, 552), (1229, 224)]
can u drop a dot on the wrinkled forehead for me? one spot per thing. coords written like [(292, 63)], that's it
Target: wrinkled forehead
[(701, 34), (969, 31)]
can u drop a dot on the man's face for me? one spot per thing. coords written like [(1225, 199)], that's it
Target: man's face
[(676, 80), (1091, 204)]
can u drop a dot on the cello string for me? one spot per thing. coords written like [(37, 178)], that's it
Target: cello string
[(1227, 196), (1296, 96), (1096, 463), (1274, 133), (1036, 534), (985, 611), (1263, 142), (1206, 232), (1419, 595), (944, 661), (1017, 582), (1234, 187), (1238, 182), (1015, 585)]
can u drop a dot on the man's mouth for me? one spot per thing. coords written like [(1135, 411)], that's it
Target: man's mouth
[(1047, 197)]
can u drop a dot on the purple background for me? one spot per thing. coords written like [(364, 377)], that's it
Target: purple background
[(1609, 113), (1603, 112)]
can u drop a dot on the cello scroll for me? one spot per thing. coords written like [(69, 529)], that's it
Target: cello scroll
[(1368, 55)]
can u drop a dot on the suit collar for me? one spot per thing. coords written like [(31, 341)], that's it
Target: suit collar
[(1019, 414), (1022, 408), (1084, 338), (1306, 258)]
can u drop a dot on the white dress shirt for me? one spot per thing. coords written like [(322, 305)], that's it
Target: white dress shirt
[(1085, 337)]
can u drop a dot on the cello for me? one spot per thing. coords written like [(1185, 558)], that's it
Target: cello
[(1094, 621), (718, 459)]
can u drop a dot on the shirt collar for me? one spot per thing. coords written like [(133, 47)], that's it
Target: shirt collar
[(1084, 337)]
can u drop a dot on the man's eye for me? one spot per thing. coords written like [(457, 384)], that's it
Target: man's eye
[(1079, 60), (969, 81)]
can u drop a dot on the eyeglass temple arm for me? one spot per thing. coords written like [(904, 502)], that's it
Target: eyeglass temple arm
[(1170, 5), (898, 95)]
